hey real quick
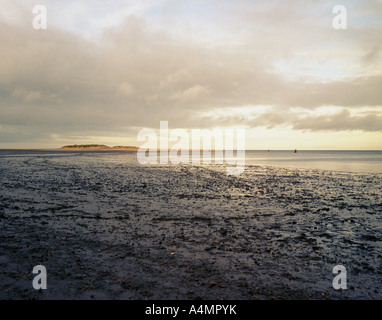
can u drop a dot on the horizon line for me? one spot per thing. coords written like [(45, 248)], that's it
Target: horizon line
[(159, 150)]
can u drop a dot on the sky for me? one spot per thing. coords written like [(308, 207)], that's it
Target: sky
[(103, 70)]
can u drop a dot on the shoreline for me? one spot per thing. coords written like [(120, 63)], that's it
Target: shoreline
[(74, 149), (158, 150), (135, 149), (360, 161)]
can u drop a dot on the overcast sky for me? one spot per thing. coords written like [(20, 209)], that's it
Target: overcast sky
[(103, 70)]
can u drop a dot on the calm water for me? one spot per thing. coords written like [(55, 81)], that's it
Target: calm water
[(348, 161), (351, 161)]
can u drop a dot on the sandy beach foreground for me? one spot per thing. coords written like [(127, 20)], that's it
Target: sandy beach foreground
[(106, 227)]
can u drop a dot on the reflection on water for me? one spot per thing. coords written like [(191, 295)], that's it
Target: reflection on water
[(349, 161), (353, 161)]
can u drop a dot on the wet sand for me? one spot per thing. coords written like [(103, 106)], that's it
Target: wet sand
[(106, 227)]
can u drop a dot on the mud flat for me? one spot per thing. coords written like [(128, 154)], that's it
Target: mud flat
[(106, 227)]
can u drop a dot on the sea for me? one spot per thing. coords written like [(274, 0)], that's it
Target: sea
[(349, 161), (356, 161)]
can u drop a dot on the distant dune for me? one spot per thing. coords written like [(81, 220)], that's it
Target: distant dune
[(98, 147)]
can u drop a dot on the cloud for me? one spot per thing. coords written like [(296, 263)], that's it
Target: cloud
[(190, 94), (26, 95), (357, 92), (372, 54), (176, 61), (340, 121), (125, 90)]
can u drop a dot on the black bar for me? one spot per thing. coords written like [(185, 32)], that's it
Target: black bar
[(199, 309)]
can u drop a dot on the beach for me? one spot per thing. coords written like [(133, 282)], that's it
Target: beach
[(107, 227)]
